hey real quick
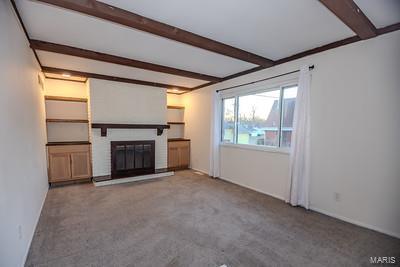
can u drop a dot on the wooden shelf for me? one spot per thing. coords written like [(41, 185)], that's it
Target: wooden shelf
[(67, 120), (62, 98), (176, 122), (68, 143), (175, 107), (177, 139), (104, 126)]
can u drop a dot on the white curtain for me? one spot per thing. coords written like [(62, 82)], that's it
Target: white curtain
[(298, 189), (215, 134)]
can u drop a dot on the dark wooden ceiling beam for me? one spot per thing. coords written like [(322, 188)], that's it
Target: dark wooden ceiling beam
[(389, 28), (350, 40), (230, 77), (288, 59), (319, 49), (127, 18), (351, 15), (78, 52), (111, 78)]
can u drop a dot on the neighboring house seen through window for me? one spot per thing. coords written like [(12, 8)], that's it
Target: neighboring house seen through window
[(262, 118)]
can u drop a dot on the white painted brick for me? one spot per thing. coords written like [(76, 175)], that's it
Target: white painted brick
[(113, 102)]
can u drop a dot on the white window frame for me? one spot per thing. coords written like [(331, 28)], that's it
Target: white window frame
[(281, 86)]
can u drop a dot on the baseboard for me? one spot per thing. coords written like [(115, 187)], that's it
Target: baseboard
[(34, 229), (252, 188), (133, 179), (202, 171), (355, 222), (339, 217)]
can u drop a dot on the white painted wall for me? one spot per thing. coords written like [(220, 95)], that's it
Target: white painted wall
[(127, 103), (355, 134), (176, 131), (67, 132), (23, 178), (66, 110), (114, 102), (174, 100), (262, 171), (197, 127), (176, 115), (55, 87)]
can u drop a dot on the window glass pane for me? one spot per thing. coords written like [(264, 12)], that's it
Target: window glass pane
[(228, 120), (289, 100), (258, 122)]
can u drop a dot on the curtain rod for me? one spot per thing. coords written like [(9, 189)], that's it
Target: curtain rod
[(265, 79)]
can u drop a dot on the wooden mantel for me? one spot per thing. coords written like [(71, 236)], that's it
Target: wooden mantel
[(104, 126)]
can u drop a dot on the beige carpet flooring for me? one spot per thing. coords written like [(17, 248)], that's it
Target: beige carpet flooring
[(192, 220)]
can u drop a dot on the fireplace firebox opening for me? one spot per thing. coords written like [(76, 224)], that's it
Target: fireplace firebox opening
[(131, 158)]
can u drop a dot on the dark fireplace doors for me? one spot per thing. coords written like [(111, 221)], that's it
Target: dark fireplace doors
[(130, 158)]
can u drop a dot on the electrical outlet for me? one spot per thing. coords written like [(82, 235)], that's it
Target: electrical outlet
[(19, 231), (336, 196)]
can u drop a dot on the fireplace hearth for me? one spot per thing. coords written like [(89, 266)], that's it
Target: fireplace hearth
[(131, 158)]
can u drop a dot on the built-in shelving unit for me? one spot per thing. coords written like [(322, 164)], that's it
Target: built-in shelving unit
[(67, 119), (178, 146), (175, 117), (68, 145)]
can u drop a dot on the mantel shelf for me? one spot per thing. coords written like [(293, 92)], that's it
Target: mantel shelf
[(104, 126)]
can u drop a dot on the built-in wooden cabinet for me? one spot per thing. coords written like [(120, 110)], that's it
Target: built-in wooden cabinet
[(69, 162), (178, 154), (59, 166), (80, 164)]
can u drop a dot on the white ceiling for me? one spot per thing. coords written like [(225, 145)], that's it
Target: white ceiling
[(381, 12), (53, 24), (270, 28), (50, 59)]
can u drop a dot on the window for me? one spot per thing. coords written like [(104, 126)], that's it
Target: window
[(263, 118), (289, 100), (228, 120)]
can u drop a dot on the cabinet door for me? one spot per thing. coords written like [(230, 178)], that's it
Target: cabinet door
[(184, 155), (80, 165), (59, 167), (173, 156)]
